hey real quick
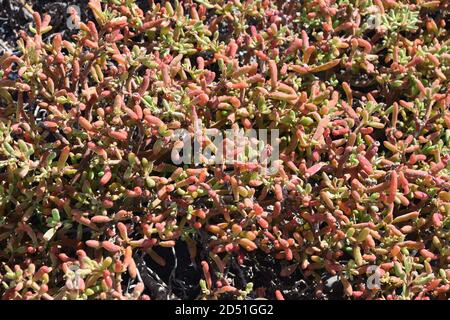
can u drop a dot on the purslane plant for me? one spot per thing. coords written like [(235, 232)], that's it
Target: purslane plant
[(358, 91)]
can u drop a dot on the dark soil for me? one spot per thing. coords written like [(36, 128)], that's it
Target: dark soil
[(16, 16)]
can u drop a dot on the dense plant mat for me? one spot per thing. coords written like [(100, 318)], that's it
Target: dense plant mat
[(93, 207)]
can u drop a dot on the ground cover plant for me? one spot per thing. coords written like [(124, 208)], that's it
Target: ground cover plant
[(92, 205)]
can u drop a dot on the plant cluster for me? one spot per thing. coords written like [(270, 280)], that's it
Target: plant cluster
[(359, 92)]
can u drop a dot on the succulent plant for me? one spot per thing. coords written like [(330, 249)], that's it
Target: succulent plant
[(87, 125)]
